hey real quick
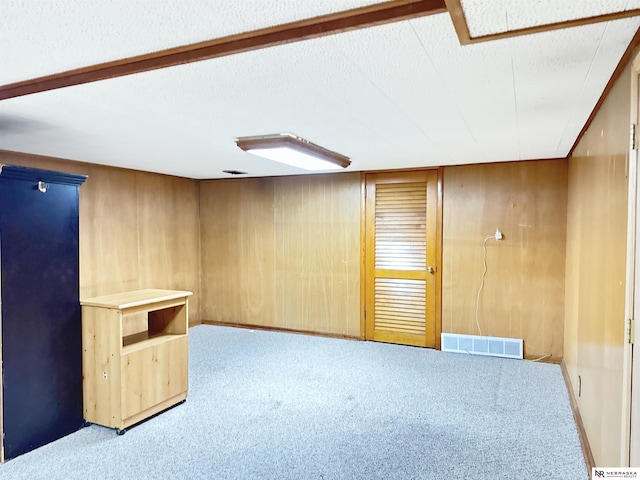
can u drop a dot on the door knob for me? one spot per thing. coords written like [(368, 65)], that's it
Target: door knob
[(430, 269)]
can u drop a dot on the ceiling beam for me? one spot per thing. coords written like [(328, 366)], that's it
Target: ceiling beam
[(459, 21), (464, 36), (363, 17)]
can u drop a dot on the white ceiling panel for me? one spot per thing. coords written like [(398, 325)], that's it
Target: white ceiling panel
[(402, 95), (485, 17), (477, 81), (308, 88), (42, 37), (555, 106)]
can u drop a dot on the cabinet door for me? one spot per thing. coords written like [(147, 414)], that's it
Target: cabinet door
[(154, 375), (41, 321)]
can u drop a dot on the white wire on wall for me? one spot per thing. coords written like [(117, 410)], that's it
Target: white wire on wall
[(484, 274)]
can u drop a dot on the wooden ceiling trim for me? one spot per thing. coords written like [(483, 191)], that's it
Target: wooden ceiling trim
[(459, 21), (363, 17), (464, 36), (579, 22), (622, 64)]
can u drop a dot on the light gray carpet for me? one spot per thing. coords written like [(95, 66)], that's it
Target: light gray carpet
[(271, 405)]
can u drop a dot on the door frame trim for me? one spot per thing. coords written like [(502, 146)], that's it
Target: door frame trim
[(363, 258), (439, 226), (438, 247), (632, 273)]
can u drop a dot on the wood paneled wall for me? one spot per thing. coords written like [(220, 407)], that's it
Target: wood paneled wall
[(137, 230), (595, 272), (523, 295), (282, 252)]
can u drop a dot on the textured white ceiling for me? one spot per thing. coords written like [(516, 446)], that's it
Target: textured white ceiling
[(397, 96), (41, 37), (485, 17)]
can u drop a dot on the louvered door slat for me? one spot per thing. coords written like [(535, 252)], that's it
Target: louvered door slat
[(401, 216), (392, 314)]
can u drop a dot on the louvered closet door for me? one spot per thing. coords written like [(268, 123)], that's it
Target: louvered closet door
[(401, 222)]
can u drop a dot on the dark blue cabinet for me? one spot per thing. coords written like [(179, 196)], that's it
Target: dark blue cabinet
[(40, 310)]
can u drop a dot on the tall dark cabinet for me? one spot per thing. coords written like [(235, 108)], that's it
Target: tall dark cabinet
[(40, 311)]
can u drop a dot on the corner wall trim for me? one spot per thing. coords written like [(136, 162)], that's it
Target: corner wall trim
[(582, 433)]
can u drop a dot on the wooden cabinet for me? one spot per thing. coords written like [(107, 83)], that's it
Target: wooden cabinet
[(41, 380), (134, 355)]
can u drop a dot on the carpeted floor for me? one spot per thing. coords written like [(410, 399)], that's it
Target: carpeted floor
[(265, 405)]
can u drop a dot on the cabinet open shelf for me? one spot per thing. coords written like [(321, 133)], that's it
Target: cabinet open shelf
[(157, 327), (142, 340)]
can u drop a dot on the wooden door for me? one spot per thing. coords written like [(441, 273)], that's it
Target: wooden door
[(401, 257)]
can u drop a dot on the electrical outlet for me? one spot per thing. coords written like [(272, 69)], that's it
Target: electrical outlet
[(498, 234)]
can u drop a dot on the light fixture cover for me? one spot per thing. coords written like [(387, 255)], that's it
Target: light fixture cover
[(293, 150)]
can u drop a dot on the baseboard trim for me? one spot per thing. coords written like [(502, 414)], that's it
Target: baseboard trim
[(582, 433), (279, 329), (544, 359)]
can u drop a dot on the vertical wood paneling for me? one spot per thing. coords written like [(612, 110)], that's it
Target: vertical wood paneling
[(168, 233), (319, 284), (256, 273), (136, 229), (523, 296), (294, 273), (283, 252), (595, 281), (236, 218), (220, 259), (108, 232)]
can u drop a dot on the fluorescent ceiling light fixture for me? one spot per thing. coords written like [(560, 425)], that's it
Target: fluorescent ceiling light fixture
[(293, 150)]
